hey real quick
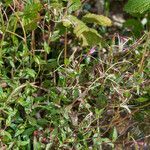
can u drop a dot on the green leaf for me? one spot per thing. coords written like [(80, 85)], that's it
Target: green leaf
[(74, 5), (90, 38), (22, 143), (29, 131), (46, 47), (114, 135), (31, 10), (31, 16), (32, 120), (79, 29), (135, 26), (57, 4), (83, 32), (5, 134), (8, 2), (101, 101), (18, 132), (37, 59), (22, 102), (31, 72), (42, 122), (36, 144), (142, 99), (8, 121), (30, 24), (137, 6), (11, 63), (98, 19), (75, 21)]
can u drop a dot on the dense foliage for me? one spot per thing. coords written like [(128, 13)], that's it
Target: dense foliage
[(71, 79)]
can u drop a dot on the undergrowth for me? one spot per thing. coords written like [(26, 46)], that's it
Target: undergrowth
[(67, 83)]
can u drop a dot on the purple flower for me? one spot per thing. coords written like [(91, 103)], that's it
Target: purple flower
[(92, 50)]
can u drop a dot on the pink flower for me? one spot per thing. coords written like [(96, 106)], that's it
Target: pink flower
[(92, 50)]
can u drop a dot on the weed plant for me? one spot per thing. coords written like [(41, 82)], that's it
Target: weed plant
[(65, 83)]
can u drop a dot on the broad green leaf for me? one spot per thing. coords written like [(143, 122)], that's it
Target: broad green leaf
[(78, 26), (98, 19), (137, 6), (74, 5), (83, 32), (90, 38), (31, 16), (79, 29), (75, 21), (135, 26), (31, 11), (19, 131)]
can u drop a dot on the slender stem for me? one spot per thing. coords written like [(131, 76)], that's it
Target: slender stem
[(24, 33), (65, 50), (33, 42)]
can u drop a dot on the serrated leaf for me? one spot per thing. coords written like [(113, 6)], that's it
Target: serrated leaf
[(31, 11), (74, 5), (137, 6), (30, 16), (98, 19)]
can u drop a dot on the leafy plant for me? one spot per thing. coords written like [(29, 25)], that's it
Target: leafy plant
[(97, 19), (89, 36), (90, 100), (137, 6)]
